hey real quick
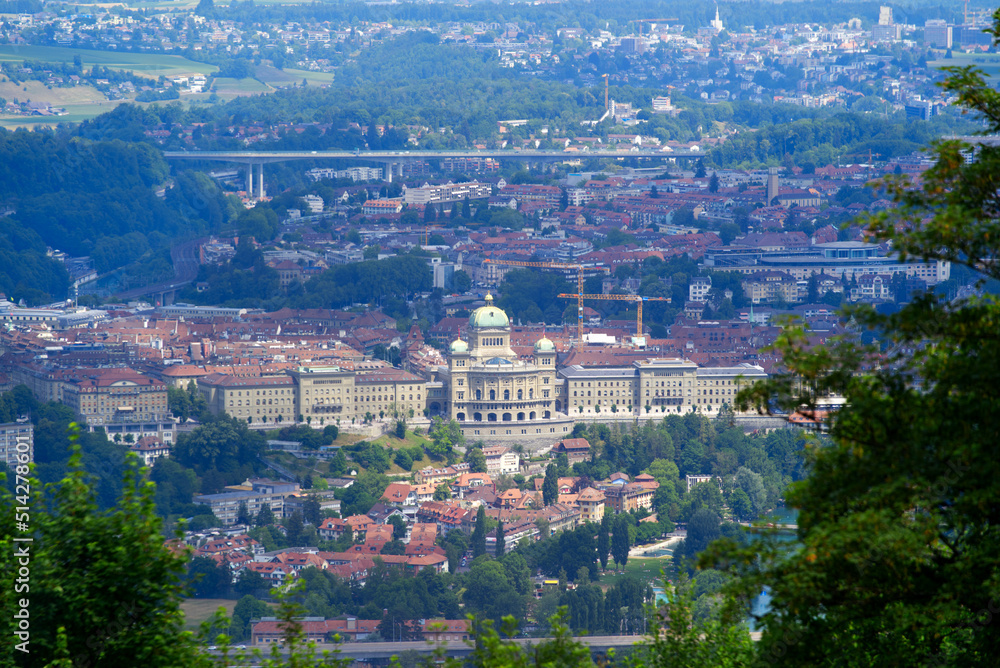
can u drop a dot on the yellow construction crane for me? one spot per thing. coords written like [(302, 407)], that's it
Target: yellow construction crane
[(636, 299), (427, 232), (578, 268)]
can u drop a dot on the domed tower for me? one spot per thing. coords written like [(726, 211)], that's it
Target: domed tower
[(458, 367), (545, 362), (545, 353), (489, 332)]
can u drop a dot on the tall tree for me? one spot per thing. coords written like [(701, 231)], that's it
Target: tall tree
[(550, 487), (265, 516), (897, 521), (475, 458), (101, 584), (243, 514), (620, 542), (479, 533), (501, 546), (604, 540)]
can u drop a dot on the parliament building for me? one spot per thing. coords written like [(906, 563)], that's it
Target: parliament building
[(496, 396)]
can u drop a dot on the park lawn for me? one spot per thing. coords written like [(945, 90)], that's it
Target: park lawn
[(151, 65), (647, 570), (197, 610), (390, 441)]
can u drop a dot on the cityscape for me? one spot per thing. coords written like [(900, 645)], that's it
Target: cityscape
[(482, 333)]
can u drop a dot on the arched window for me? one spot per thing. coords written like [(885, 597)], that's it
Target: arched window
[(506, 395), (520, 394), (493, 395)]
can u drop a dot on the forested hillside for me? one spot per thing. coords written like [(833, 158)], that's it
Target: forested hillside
[(93, 197)]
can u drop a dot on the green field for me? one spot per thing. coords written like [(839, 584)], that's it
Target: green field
[(197, 610), (987, 62), (151, 65), (288, 77)]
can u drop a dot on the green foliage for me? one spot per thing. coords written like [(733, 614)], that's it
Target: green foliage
[(604, 540), (531, 295), (550, 486), (500, 543), (247, 608), (899, 499), (222, 452), (620, 541), (444, 435), (103, 580), (478, 539), (489, 594), (206, 579), (678, 638), (186, 403), (475, 458)]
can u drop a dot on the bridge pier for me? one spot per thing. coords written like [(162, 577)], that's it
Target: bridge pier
[(260, 194)]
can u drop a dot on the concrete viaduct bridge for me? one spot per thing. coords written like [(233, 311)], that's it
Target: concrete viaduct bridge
[(394, 160)]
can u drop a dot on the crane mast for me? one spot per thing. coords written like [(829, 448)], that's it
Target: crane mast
[(578, 268)]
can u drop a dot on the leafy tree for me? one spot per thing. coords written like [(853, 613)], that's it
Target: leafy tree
[(444, 435), (398, 527), (243, 514), (677, 637), (442, 492), (247, 608), (620, 542), (250, 583), (740, 504), (312, 512), (265, 516), (207, 579), (550, 487), (753, 485), (293, 528), (104, 589), (604, 540), (476, 459), (489, 594), (460, 280), (479, 533), (895, 509), (501, 545)]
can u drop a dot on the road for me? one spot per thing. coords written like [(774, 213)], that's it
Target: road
[(185, 260), (396, 156), (362, 651)]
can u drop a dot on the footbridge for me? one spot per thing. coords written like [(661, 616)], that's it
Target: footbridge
[(394, 160)]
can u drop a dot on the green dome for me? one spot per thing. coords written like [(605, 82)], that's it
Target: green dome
[(488, 316), (544, 345), (459, 346)]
